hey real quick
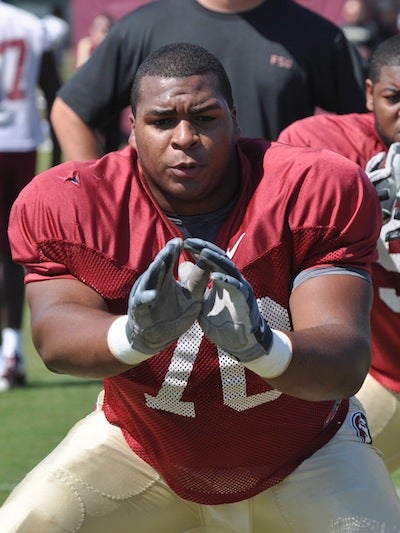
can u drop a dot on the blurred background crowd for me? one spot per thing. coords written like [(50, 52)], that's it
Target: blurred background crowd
[(365, 22)]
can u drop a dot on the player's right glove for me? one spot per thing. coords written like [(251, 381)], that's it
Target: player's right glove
[(160, 307), (386, 179)]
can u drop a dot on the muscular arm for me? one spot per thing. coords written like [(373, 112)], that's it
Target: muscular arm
[(331, 338), (70, 322), (77, 140)]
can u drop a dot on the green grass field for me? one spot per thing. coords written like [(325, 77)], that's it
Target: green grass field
[(33, 420)]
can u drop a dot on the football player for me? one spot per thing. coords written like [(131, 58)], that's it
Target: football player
[(228, 376), (27, 63)]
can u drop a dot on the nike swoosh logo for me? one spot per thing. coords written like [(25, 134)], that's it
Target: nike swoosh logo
[(230, 252)]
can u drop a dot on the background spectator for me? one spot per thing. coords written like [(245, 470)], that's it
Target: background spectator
[(27, 63), (98, 29), (359, 26), (111, 135), (283, 60)]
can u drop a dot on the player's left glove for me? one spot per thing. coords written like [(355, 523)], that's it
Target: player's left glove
[(386, 180), (230, 317)]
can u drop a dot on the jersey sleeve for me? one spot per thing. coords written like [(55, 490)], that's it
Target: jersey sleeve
[(352, 135), (35, 219), (335, 220), (57, 31), (62, 217), (298, 134)]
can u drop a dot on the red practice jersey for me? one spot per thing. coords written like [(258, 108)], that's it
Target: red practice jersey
[(355, 137), (217, 432)]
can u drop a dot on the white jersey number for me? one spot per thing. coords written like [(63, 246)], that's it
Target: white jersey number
[(233, 377)]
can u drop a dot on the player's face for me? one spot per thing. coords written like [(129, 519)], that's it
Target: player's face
[(383, 98), (185, 135)]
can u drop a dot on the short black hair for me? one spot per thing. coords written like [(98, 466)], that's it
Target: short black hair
[(386, 54), (181, 60)]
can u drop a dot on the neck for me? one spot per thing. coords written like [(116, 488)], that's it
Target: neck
[(230, 6)]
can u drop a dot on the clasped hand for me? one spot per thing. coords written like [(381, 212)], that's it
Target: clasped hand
[(161, 308)]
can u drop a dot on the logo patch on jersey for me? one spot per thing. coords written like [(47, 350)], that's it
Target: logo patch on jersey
[(230, 252), (281, 61), (360, 426), (74, 178)]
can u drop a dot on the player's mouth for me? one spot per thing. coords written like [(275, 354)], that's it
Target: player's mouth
[(186, 170)]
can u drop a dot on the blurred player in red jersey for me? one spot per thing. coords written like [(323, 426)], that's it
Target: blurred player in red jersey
[(228, 376), (365, 139), (26, 63)]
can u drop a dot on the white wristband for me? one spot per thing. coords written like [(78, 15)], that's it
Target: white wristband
[(119, 346), (276, 361)]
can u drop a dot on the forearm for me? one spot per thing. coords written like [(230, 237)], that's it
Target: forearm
[(77, 346), (69, 323), (331, 342), (328, 362), (77, 140)]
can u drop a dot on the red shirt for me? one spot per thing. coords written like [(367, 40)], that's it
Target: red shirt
[(216, 431), (355, 137)]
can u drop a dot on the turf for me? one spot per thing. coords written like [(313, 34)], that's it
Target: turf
[(34, 419)]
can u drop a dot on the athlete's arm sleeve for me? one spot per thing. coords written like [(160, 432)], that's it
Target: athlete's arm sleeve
[(34, 221)]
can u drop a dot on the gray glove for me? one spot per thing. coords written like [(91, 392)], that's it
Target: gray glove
[(230, 317), (160, 307), (386, 179)]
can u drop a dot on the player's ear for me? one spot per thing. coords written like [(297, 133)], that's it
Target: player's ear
[(132, 136), (369, 89)]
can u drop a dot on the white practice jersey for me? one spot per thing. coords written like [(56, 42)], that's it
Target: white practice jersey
[(23, 39)]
